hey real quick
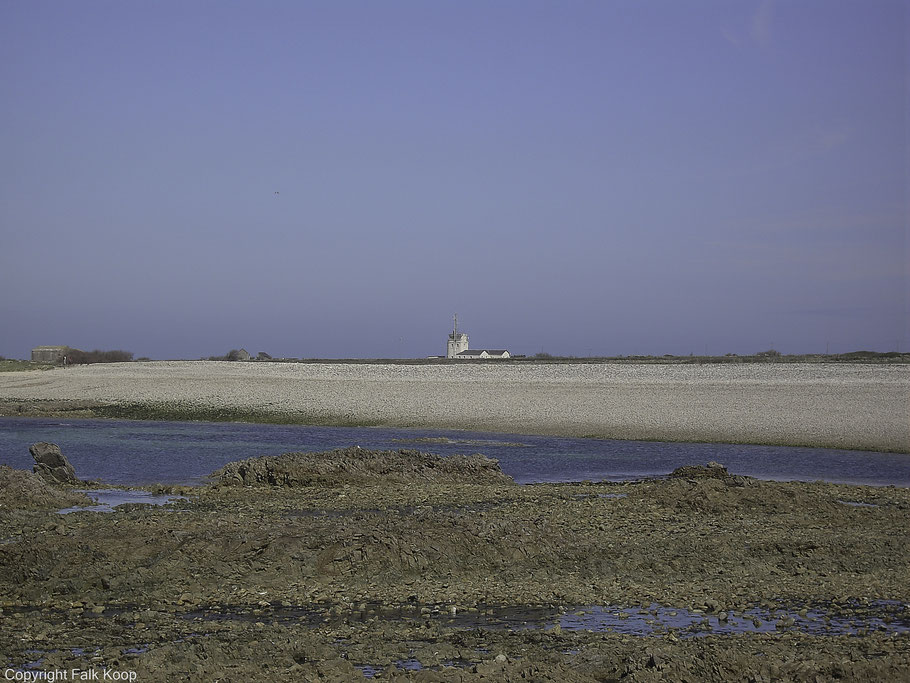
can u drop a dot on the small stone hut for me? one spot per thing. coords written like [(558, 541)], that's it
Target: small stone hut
[(49, 354)]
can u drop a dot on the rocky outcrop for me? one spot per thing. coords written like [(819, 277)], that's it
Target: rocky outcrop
[(23, 490), (713, 470), (360, 467), (51, 465)]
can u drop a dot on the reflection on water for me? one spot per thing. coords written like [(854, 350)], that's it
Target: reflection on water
[(886, 616), (854, 618), (107, 499), (134, 452)]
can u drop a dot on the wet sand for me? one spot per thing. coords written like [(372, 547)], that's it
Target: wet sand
[(855, 406)]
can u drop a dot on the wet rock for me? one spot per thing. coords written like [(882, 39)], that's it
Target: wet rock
[(656, 660), (492, 668), (50, 464)]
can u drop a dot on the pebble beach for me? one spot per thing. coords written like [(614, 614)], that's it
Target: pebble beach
[(854, 406)]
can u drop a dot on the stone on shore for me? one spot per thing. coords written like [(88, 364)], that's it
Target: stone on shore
[(50, 464)]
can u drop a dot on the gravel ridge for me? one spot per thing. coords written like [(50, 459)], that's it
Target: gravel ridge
[(840, 405)]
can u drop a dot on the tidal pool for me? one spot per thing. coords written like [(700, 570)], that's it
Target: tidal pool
[(107, 499)]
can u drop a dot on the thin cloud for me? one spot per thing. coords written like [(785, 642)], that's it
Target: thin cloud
[(837, 311), (797, 147), (838, 262), (761, 23), (757, 29), (831, 138), (730, 37)]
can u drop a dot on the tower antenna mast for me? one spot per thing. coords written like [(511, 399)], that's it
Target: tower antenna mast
[(455, 326)]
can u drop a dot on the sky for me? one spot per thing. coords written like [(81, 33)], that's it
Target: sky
[(337, 179)]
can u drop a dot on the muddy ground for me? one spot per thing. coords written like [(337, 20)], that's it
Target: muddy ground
[(357, 563)]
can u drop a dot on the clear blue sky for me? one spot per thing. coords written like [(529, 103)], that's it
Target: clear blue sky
[(573, 177)]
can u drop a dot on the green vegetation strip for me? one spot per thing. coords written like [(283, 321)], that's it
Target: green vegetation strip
[(179, 412), (10, 365)]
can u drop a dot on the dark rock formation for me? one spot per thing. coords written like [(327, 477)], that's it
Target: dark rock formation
[(357, 466), (713, 470), (22, 490), (51, 465)]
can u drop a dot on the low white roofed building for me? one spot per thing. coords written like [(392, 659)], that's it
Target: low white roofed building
[(479, 354)]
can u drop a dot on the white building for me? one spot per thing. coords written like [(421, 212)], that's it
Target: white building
[(457, 347), (458, 342), (483, 354)]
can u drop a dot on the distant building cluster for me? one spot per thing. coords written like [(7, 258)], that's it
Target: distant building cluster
[(457, 347)]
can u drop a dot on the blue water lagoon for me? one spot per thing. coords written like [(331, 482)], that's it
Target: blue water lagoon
[(127, 452)]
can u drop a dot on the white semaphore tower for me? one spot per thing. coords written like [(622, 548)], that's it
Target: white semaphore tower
[(458, 341)]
